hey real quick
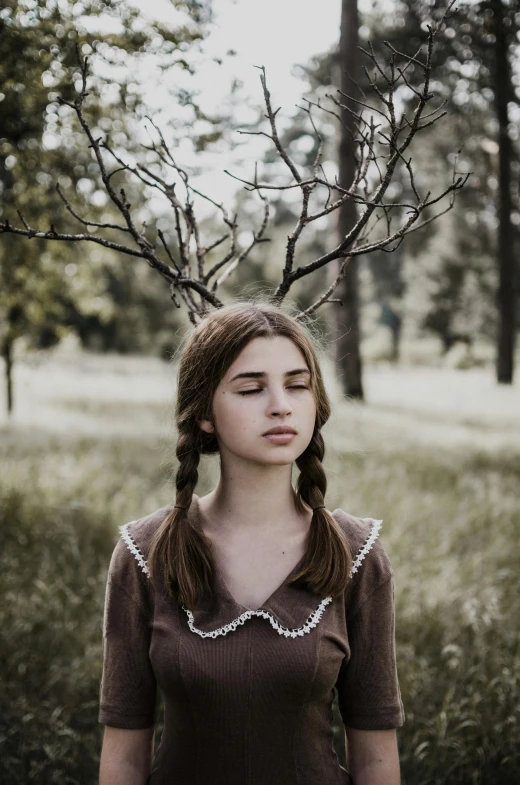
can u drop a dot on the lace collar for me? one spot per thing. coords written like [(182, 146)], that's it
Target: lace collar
[(291, 611)]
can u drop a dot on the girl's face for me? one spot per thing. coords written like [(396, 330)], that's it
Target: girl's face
[(268, 385)]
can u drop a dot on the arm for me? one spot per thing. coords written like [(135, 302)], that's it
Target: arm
[(128, 689), (373, 757), (126, 756), (368, 687)]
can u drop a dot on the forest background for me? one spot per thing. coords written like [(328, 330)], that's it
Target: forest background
[(89, 340)]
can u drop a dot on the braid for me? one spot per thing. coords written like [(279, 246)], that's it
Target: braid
[(328, 559), (182, 548), (312, 482)]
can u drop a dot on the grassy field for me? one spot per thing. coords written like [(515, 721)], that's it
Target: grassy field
[(434, 452)]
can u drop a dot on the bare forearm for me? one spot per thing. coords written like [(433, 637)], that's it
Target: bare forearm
[(126, 756), (377, 773), (117, 773), (373, 757)]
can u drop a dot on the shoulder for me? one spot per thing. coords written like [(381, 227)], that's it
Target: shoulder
[(131, 549), (371, 566)]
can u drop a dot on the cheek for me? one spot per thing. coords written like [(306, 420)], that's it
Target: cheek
[(312, 421), (233, 414), (311, 410)]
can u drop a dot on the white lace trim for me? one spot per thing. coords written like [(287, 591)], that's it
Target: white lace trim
[(311, 622), (133, 547), (372, 537)]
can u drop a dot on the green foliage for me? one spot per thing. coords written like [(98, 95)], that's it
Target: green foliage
[(46, 290)]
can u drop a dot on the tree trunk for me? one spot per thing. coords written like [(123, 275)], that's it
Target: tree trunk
[(347, 332), (7, 354), (395, 327), (507, 286)]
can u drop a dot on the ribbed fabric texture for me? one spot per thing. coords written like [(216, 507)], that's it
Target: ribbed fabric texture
[(251, 707)]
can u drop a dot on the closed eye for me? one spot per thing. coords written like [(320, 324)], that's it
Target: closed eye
[(292, 387)]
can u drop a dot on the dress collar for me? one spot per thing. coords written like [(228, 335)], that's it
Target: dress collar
[(292, 611)]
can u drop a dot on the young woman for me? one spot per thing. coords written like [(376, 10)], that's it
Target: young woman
[(249, 605)]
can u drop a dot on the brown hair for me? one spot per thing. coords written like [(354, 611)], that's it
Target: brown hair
[(182, 549)]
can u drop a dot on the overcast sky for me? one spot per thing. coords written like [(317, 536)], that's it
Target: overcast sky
[(278, 34), (274, 33)]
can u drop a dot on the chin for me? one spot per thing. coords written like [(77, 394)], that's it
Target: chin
[(279, 460)]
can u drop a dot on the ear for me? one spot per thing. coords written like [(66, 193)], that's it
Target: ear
[(206, 425)]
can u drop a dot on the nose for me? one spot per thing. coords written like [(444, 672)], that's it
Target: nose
[(279, 402)]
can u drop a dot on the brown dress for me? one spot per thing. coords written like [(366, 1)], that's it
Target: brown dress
[(248, 694)]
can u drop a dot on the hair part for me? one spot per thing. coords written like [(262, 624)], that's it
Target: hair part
[(180, 549)]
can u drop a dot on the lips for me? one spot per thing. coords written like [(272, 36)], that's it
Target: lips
[(280, 429)]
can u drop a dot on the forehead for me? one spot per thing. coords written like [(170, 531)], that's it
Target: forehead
[(269, 355)]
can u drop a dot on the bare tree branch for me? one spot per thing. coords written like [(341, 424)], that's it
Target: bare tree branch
[(83, 220), (381, 149)]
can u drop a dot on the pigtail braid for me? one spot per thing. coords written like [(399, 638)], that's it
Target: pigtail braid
[(328, 560), (181, 548)]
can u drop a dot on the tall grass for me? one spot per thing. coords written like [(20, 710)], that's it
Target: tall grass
[(52, 571), (450, 525)]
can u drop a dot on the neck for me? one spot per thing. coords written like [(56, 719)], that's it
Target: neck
[(250, 506)]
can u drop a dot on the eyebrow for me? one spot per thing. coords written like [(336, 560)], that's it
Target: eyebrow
[(262, 374)]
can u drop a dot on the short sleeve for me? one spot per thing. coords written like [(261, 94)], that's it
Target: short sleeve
[(128, 687), (368, 689)]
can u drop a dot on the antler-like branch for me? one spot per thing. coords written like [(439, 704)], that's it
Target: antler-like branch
[(190, 246), (380, 148)]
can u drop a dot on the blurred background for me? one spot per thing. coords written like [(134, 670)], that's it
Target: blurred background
[(425, 431)]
